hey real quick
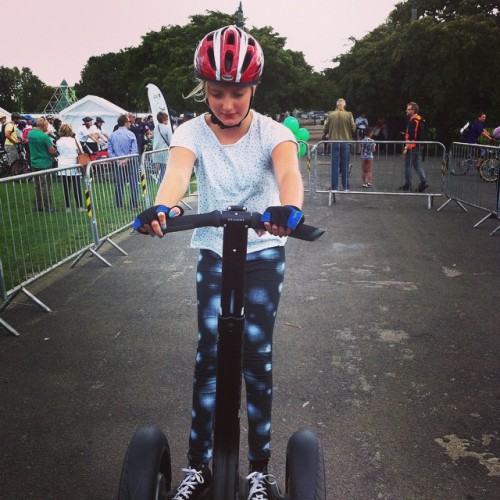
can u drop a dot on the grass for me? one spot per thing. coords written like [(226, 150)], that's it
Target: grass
[(31, 242)]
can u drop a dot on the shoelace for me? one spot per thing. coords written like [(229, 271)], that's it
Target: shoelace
[(258, 489), (188, 484)]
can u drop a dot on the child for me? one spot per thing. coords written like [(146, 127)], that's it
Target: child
[(242, 158), (368, 146)]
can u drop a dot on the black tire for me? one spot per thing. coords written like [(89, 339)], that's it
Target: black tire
[(488, 170), (462, 166), (146, 471), (305, 467), (225, 478)]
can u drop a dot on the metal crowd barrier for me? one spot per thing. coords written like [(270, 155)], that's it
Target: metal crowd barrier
[(57, 215), (40, 229), (154, 163), (115, 191), (305, 165), (388, 170), (473, 179)]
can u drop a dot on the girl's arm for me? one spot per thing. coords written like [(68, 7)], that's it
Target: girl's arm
[(286, 170)]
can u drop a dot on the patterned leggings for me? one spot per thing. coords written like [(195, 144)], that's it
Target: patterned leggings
[(264, 281)]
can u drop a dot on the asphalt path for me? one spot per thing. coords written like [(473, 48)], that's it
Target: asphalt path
[(386, 343)]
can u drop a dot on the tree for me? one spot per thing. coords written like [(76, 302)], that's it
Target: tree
[(441, 61), (443, 10), (20, 90), (165, 58), (106, 77)]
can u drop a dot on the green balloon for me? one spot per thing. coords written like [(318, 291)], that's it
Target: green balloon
[(292, 123), (302, 149), (302, 135)]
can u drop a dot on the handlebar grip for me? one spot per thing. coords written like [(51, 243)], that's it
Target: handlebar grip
[(186, 222), (216, 218), (307, 233)]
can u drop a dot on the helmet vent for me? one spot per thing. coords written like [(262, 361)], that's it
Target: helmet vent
[(211, 58), (228, 63), (230, 39), (246, 62)]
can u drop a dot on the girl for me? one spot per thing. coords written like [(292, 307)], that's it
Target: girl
[(242, 158)]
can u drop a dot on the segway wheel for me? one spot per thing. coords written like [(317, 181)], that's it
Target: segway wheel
[(305, 467), (146, 471)]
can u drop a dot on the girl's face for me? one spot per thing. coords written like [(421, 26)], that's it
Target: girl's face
[(229, 103)]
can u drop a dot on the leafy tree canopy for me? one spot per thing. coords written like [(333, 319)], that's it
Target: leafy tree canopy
[(165, 58), (21, 90), (442, 61)]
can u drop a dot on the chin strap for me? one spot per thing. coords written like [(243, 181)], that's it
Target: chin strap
[(216, 121)]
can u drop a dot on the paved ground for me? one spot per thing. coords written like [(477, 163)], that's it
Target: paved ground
[(387, 342)]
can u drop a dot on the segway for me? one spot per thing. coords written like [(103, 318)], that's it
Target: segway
[(146, 472)]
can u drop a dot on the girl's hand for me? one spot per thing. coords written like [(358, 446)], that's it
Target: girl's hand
[(152, 220), (281, 221)]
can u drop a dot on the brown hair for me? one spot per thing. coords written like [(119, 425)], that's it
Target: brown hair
[(413, 105), (65, 130), (122, 119), (161, 116)]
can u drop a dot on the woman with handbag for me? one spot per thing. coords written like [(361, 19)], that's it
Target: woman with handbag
[(69, 149)]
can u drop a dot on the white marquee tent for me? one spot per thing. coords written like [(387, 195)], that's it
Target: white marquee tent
[(92, 106), (5, 113)]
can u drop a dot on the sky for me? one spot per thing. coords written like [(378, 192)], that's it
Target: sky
[(55, 38)]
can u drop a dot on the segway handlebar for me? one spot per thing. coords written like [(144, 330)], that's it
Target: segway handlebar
[(235, 215)]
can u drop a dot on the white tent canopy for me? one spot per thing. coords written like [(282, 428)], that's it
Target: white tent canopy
[(92, 106), (5, 113)]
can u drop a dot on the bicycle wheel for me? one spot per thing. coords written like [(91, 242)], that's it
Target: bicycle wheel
[(305, 467), (488, 170), (146, 472), (462, 166)]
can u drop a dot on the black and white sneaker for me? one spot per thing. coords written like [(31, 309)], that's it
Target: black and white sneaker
[(259, 486), (195, 484)]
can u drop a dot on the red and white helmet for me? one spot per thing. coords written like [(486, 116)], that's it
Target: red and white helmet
[(229, 55)]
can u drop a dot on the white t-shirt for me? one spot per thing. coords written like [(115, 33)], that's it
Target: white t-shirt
[(83, 134), (68, 152), (234, 174), (162, 137)]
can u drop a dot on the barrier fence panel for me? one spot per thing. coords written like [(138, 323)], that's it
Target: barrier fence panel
[(305, 165), (56, 215), (43, 223), (388, 169), (116, 193), (473, 178), (154, 164)]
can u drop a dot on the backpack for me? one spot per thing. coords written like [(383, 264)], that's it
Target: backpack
[(2, 136), (465, 129), (421, 135), (421, 130)]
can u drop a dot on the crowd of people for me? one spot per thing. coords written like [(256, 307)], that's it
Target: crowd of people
[(339, 125), (46, 142)]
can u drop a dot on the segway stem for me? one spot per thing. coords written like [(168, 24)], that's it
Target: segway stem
[(236, 222), (231, 326)]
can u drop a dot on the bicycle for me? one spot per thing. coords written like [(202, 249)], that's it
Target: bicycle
[(489, 167), (486, 164), (17, 167), (146, 472)]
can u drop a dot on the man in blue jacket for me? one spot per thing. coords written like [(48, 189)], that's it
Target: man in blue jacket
[(122, 142)]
